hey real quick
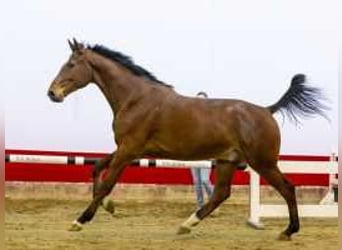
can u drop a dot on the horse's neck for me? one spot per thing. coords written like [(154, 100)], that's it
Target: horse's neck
[(116, 83)]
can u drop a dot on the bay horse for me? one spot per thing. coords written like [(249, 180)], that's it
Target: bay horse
[(151, 118)]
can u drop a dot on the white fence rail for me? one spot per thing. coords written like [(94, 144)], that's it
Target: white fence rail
[(259, 210)]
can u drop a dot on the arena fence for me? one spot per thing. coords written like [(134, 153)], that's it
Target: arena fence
[(322, 210), (321, 166), (76, 167)]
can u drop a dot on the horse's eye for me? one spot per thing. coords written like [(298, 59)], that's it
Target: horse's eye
[(71, 64)]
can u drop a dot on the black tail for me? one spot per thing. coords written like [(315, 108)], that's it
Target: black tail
[(300, 100)]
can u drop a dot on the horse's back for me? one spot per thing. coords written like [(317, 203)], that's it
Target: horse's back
[(213, 126)]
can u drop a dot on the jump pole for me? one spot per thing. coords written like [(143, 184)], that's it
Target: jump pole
[(80, 160)]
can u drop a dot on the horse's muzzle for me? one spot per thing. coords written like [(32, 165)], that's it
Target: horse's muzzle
[(53, 97)]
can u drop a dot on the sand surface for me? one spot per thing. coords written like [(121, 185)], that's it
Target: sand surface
[(37, 224)]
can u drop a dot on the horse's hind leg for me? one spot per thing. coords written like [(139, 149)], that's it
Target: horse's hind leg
[(276, 179), (224, 175), (101, 165)]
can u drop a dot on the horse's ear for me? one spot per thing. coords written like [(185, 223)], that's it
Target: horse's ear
[(71, 45), (78, 46)]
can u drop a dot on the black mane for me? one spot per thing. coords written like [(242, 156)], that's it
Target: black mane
[(126, 61)]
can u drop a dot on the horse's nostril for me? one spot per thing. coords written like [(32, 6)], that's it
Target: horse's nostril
[(54, 96), (51, 93)]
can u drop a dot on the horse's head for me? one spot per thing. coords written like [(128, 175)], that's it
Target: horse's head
[(76, 73)]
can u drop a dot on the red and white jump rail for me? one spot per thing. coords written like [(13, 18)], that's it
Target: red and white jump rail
[(258, 210), (80, 160)]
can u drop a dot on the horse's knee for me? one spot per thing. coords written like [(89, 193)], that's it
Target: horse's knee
[(291, 189), (104, 189), (101, 165)]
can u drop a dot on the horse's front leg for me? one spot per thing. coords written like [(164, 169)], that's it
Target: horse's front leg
[(116, 167), (100, 166)]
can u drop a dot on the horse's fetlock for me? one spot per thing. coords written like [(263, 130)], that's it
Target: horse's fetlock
[(295, 228)]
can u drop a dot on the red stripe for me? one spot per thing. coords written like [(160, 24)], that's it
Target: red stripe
[(73, 173)]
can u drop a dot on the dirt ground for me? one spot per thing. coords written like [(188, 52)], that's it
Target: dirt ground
[(38, 224)]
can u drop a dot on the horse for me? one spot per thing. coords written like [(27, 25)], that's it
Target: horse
[(151, 118)]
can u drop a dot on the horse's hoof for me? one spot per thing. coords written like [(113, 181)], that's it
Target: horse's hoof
[(183, 230), (108, 205), (284, 237), (75, 227)]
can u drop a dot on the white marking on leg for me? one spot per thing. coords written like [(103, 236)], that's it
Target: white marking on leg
[(192, 221), (75, 226), (76, 223), (105, 202)]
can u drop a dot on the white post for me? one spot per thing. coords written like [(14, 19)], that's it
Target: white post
[(328, 199), (259, 210), (254, 200)]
